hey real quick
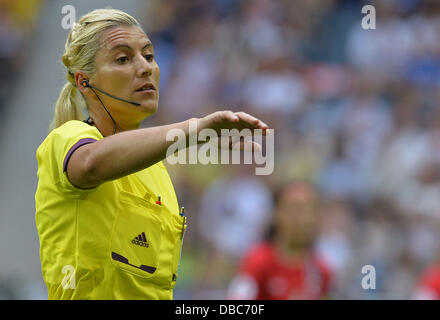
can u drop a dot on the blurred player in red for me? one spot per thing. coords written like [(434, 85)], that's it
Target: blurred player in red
[(428, 285), (285, 266)]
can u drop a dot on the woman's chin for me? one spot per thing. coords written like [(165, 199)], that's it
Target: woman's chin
[(148, 107)]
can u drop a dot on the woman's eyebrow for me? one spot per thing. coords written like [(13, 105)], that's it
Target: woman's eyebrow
[(149, 44)]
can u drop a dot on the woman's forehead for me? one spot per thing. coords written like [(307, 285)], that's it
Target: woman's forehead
[(124, 35)]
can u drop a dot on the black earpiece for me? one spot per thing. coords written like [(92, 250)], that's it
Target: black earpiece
[(85, 84)]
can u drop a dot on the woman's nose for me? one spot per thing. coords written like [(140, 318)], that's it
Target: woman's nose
[(144, 68)]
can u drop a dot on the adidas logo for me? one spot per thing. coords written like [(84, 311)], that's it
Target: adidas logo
[(141, 240)]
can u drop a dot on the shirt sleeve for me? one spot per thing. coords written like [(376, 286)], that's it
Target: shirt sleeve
[(326, 277), (248, 283), (254, 262), (428, 287), (57, 149)]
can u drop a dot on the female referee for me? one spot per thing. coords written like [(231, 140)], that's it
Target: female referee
[(106, 211)]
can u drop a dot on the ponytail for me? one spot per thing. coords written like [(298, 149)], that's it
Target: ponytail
[(67, 106)]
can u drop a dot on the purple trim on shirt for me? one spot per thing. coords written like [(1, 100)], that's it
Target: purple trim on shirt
[(76, 146)]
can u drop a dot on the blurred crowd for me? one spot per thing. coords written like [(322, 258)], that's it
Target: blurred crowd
[(17, 21), (354, 111)]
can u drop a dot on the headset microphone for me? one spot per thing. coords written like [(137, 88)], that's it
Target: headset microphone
[(86, 84)]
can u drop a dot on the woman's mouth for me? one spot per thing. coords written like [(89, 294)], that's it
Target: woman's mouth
[(147, 88)]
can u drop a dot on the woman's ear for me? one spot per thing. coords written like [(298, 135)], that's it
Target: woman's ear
[(81, 81)]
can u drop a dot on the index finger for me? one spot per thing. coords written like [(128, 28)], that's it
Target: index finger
[(251, 120)]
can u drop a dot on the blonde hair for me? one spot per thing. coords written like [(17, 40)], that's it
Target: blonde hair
[(83, 42)]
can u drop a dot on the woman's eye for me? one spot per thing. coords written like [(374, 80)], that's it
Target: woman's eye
[(149, 57), (122, 60)]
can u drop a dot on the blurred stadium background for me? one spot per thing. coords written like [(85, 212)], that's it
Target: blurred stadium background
[(354, 111)]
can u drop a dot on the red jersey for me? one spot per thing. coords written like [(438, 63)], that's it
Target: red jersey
[(264, 276), (428, 287)]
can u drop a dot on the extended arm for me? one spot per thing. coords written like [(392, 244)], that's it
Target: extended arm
[(127, 152)]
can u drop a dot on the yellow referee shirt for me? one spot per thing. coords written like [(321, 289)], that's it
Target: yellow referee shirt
[(115, 241)]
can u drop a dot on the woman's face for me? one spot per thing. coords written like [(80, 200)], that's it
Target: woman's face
[(297, 216), (126, 68)]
